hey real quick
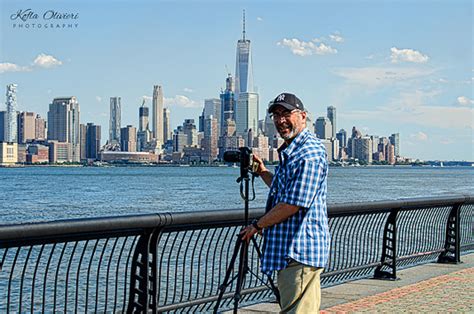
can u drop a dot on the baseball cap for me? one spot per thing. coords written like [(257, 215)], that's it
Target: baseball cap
[(286, 100)]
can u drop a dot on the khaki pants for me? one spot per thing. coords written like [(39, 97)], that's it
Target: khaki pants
[(300, 288)]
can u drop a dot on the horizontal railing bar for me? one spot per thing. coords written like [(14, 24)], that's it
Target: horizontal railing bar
[(227, 295), (84, 228)]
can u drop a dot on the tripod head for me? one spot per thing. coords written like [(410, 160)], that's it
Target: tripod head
[(243, 156)]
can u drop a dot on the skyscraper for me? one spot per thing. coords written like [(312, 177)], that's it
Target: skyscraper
[(227, 103), (212, 107), (157, 117), (342, 138), (210, 139), (246, 116), (3, 117), (332, 118), (63, 124), (128, 139), (167, 134), (11, 131), (243, 65), (26, 126), (93, 136), (323, 128), (395, 141), (115, 120), (144, 132)]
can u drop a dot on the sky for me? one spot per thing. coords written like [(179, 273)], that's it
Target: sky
[(387, 66)]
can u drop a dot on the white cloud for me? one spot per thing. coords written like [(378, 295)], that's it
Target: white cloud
[(379, 76), (98, 98), (336, 37), (147, 98), (306, 48), (46, 61), (181, 101), (464, 101), (420, 136), (259, 19), (11, 67), (407, 55), (188, 90)]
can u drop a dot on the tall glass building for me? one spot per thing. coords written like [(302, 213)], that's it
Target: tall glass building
[(11, 129), (247, 113), (243, 65), (115, 119), (63, 124)]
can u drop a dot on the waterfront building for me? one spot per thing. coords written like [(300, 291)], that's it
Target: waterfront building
[(82, 139), (8, 153), (167, 134), (115, 121), (261, 147), (395, 141), (189, 128), (37, 153), (3, 117), (26, 127), (128, 139), (227, 98), (59, 152), (323, 128), (40, 128), (92, 143), (180, 139), (144, 132), (128, 157), (391, 154), (209, 143), (246, 117), (243, 65), (63, 124), (342, 138), (363, 149), (11, 131), (212, 107), (351, 142), (157, 114), (331, 113)]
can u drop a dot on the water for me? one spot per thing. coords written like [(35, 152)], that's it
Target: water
[(51, 193)]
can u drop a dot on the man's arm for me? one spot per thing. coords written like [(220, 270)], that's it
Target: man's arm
[(277, 214)]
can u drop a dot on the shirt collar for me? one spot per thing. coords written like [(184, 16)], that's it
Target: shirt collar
[(300, 138)]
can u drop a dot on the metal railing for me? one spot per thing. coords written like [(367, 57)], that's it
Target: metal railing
[(175, 262)]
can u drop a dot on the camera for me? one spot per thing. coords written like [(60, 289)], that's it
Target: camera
[(243, 156)]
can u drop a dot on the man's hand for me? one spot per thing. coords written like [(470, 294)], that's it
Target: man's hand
[(262, 171), (248, 232), (261, 166)]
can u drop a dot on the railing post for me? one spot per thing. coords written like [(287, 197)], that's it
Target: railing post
[(143, 292), (452, 245), (389, 249)]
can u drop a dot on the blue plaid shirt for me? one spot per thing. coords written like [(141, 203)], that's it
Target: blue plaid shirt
[(299, 179)]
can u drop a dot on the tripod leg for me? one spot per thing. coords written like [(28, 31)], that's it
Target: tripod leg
[(243, 269), (275, 290), (226, 282)]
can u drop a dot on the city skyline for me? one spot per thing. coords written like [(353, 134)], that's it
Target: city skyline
[(400, 81)]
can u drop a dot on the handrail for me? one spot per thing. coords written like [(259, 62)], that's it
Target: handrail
[(82, 226)]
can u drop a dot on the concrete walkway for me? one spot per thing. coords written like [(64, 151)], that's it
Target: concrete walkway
[(426, 288)]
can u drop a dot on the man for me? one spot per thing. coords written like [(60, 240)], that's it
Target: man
[(295, 225)]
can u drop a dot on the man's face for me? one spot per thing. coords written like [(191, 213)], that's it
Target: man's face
[(289, 123)]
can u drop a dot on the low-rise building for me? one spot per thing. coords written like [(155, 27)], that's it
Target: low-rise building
[(8, 153)]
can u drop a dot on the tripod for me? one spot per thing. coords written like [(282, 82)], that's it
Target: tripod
[(241, 249)]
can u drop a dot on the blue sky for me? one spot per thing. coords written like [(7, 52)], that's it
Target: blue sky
[(387, 66)]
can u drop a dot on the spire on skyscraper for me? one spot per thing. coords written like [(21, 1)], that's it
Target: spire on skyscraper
[(243, 25)]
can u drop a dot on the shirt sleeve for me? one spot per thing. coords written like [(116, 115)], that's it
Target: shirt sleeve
[(302, 184)]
